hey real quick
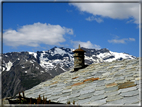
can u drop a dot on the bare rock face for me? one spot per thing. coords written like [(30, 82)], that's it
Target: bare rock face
[(23, 70)]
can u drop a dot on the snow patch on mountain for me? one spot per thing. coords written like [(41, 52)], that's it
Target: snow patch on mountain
[(37, 67), (33, 53), (6, 56), (42, 58), (42, 71), (119, 56), (31, 61), (8, 65), (102, 55), (56, 61), (59, 51), (46, 65), (63, 69), (56, 56), (23, 67)]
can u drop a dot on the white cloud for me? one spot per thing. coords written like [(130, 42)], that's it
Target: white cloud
[(121, 41), (111, 10), (130, 21), (68, 30), (35, 34), (87, 44), (99, 20), (117, 41), (131, 39)]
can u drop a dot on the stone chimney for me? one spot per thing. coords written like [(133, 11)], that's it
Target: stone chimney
[(78, 58)]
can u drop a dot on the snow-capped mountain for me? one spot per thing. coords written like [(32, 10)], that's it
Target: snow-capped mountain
[(58, 59), (104, 55), (23, 70), (63, 58)]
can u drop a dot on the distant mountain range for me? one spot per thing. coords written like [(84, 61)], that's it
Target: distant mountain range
[(23, 70)]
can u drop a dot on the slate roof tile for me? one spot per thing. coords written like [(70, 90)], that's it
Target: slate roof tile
[(52, 86), (130, 93), (65, 94), (129, 78), (128, 74), (88, 87), (73, 99), (100, 87), (137, 81), (74, 95), (111, 88), (130, 100), (66, 91), (97, 97), (80, 86), (112, 93), (100, 82), (63, 101), (98, 102), (56, 93), (127, 89), (62, 98), (120, 81), (99, 92), (106, 74), (138, 86), (115, 97), (81, 102), (53, 97), (87, 91), (86, 95), (119, 78), (126, 84), (111, 85), (118, 101)]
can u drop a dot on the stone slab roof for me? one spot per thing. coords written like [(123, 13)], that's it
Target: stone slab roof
[(108, 83)]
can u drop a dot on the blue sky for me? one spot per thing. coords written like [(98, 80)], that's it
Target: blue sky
[(41, 26)]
